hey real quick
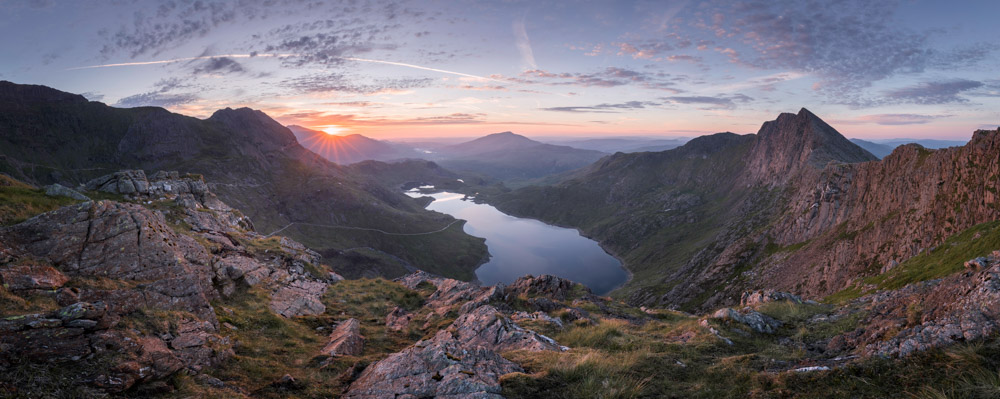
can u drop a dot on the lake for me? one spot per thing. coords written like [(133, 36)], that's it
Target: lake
[(525, 246)]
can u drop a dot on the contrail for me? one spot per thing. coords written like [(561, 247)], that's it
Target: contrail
[(205, 57), (285, 55), (423, 68)]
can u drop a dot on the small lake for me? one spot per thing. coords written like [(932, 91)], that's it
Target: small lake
[(525, 246)]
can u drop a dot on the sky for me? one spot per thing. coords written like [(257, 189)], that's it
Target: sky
[(411, 69)]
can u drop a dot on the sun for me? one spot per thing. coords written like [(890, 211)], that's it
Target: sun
[(333, 130)]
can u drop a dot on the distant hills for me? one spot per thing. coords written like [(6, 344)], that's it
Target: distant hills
[(882, 148), (351, 148), (507, 155), (613, 145)]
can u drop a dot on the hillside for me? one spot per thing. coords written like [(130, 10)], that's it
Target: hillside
[(511, 156), (166, 291), (350, 148), (795, 207), (252, 162)]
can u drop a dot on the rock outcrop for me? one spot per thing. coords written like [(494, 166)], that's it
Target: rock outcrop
[(156, 264), (960, 308), (751, 318), (462, 360), (346, 339)]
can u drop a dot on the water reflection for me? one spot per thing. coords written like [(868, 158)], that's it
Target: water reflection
[(526, 246)]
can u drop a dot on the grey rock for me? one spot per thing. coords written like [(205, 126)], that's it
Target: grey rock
[(346, 339), (58, 190)]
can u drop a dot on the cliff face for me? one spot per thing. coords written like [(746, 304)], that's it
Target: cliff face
[(856, 219), (801, 209)]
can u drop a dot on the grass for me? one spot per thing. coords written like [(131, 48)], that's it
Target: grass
[(20, 201), (616, 359), (943, 260)]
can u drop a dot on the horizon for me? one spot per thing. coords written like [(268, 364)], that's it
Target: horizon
[(409, 70)]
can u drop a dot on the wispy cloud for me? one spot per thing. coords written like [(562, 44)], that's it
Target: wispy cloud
[(900, 119), (402, 64), (523, 43), (171, 61), (936, 92), (711, 102), (604, 108)]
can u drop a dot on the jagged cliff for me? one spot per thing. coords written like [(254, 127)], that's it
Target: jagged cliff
[(795, 207)]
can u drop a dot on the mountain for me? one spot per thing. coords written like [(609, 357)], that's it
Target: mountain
[(882, 148), (613, 145), (876, 149), (512, 156), (165, 291), (794, 207), (253, 163), (350, 148)]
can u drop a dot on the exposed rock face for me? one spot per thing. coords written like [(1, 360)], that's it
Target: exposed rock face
[(452, 292), (488, 328), (58, 190), (854, 216), (759, 297), (795, 143), (31, 277), (398, 319), (960, 308), (440, 367), (346, 339), (545, 285), (751, 318), (128, 259), (460, 361)]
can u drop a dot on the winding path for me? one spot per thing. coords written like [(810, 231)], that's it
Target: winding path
[(363, 228)]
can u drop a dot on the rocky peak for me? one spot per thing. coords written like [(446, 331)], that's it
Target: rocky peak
[(793, 142), (10, 91)]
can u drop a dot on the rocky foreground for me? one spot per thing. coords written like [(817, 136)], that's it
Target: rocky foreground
[(166, 291)]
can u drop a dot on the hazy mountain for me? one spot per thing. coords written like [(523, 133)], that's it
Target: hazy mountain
[(613, 145), (878, 150), (507, 155), (350, 148), (926, 143), (251, 161), (794, 207)]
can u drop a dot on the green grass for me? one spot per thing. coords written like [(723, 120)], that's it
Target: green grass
[(946, 259), (20, 201)]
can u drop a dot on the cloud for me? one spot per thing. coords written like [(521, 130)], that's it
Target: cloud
[(93, 96), (709, 102), (943, 92), (900, 119), (523, 44), (608, 77), (162, 96), (847, 44), (336, 82), (605, 108), (219, 65)]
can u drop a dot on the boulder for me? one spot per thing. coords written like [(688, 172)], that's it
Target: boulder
[(755, 320), (346, 339), (487, 327), (58, 190), (545, 285), (759, 297)]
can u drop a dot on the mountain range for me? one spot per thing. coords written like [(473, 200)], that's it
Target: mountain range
[(794, 207), (350, 148), (787, 263), (251, 161)]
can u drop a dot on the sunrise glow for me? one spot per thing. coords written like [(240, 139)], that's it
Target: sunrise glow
[(333, 130)]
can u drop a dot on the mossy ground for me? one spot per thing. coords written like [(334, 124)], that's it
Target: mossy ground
[(674, 357)]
